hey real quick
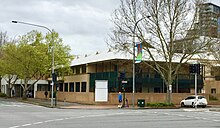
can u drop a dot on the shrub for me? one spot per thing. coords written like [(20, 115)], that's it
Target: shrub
[(160, 104), (3, 95), (213, 98)]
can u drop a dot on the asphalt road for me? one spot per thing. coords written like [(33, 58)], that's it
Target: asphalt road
[(21, 115)]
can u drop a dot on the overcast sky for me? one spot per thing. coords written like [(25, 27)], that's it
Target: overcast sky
[(82, 24)]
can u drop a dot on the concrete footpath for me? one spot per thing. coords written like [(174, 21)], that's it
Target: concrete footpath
[(70, 105), (60, 104)]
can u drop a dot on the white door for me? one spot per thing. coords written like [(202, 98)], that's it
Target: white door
[(101, 91)]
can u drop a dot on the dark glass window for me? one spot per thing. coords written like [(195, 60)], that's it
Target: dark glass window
[(78, 70), (71, 87), (84, 69), (83, 88), (213, 90), (66, 87), (61, 87), (77, 86), (73, 69)]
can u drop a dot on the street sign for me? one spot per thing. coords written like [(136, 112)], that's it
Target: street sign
[(124, 82)]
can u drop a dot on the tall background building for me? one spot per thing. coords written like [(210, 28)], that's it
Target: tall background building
[(207, 21)]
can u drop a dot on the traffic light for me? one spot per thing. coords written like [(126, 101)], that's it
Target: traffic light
[(122, 75), (123, 86), (198, 68), (54, 77), (194, 68)]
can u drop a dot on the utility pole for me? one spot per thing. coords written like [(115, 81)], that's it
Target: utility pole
[(52, 50)]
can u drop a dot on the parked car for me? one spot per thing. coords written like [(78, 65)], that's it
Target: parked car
[(190, 101)]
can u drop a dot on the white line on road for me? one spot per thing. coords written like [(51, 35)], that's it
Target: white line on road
[(37, 123), (14, 127), (49, 121), (24, 125), (67, 118)]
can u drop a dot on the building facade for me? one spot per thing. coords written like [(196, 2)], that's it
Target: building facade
[(111, 67), (207, 21)]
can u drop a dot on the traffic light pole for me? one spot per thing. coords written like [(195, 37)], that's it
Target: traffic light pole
[(195, 69), (195, 90)]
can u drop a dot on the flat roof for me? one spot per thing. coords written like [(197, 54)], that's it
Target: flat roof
[(121, 55), (113, 55)]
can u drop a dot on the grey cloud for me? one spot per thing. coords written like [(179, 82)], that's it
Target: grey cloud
[(78, 21)]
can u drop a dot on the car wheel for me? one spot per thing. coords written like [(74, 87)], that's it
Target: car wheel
[(182, 104), (203, 106)]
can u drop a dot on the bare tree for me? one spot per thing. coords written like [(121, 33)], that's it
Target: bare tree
[(3, 38), (162, 26)]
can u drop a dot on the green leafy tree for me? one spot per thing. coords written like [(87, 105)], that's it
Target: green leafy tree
[(4, 40), (32, 57), (7, 66)]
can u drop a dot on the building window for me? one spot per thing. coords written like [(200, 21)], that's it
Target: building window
[(61, 87), (156, 90), (71, 87), (74, 70), (77, 86), (78, 70), (115, 68), (83, 87), (213, 91), (66, 87), (84, 69)]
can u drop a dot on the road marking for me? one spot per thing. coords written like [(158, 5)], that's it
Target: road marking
[(49, 121), (24, 125), (60, 119), (14, 127), (37, 123)]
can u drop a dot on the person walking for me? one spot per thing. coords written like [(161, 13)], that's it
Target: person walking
[(120, 100), (46, 93)]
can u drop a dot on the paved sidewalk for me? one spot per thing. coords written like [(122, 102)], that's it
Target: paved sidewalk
[(66, 105), (70, 105)]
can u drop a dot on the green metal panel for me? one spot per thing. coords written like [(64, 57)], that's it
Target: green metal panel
[(112, 78), (155, 81)]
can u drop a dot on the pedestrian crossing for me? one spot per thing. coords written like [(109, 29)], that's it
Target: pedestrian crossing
[(13, 104), (10, 104)]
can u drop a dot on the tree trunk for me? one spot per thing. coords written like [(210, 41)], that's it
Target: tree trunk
[(169, 88), (10, 91), (169, 93), (24, 97)]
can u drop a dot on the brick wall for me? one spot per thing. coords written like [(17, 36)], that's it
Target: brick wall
[(89, 98)]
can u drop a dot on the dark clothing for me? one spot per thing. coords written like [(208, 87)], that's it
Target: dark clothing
[(46, 93)]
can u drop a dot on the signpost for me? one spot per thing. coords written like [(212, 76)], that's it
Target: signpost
[(195, 69)]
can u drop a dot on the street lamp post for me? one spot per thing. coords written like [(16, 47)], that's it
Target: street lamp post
[(52, 50), (133, 32)]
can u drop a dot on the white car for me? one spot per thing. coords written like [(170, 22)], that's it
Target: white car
[(190, 101)]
